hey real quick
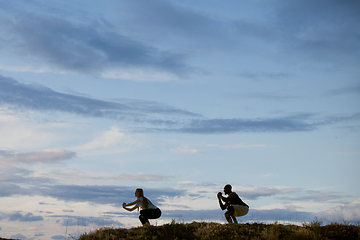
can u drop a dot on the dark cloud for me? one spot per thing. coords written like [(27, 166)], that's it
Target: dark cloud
[(353, 90), (114, 195), (29, 217), (323, 29), (313, 30), (58, 237), (9, 189), (281, 124), (171, 20), (85, 47), (37, 97), (18, 236), (40, 98)]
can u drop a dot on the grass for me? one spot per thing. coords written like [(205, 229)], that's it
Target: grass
[(214, 231)]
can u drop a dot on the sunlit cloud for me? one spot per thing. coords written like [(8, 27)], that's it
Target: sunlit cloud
[(22, 135), (112, 137)]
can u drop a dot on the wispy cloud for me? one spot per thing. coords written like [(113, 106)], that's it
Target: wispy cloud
[(258, 192), (92, 47), (145, 115), (29, 217), (236, 146), (353, 90), (37, 97), (189, 151), (112, 137), (48, 156), (142, 177)]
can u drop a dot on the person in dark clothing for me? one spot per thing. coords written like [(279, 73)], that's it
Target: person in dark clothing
[(148, 210), (233, 204)]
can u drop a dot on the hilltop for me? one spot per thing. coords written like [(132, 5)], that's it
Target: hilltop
[(214, 231)]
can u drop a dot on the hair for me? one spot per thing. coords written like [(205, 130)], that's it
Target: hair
[(145, 200), (228, 186)]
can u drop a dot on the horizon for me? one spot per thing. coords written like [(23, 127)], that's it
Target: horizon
[(179, 99)]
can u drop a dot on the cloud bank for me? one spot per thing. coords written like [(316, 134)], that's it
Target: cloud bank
[(153, 116)]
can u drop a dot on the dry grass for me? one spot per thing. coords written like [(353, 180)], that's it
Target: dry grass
[(207, 231)]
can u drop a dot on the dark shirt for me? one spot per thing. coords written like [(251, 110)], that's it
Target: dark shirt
[(236, 200)]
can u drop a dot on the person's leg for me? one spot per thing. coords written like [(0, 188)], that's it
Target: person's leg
[(143, 217), (231, 214), (228, 218)]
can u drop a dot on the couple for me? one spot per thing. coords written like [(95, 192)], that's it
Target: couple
[(233, 204)]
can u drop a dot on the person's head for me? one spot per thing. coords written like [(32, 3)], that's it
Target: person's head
[(139, 193), (227, 189)]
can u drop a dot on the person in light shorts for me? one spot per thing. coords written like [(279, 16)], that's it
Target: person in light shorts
[(233, 204)]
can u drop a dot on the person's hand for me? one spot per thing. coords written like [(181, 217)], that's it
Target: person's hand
[(219, 194), (124, 205)]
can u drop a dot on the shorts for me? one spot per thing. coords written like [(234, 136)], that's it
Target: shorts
[(240, 210)]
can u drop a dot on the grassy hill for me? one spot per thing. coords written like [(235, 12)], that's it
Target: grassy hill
[(214, 231)]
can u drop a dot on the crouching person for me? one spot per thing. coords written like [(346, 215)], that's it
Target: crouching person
[(148, 210), (233, 204)]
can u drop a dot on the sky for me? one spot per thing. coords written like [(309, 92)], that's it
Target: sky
[(179, 98)]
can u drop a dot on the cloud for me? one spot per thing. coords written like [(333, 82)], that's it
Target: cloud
[(86, 221), (213, 126), (164, 118), (29, 217), (91, 46), (37, 97), (343, 213), (171, 20), (318, 196), (19, 133), (257, 192), (13, 180), (322, 29), (9, 189), (105, 194), (142, 177), (354, 90), (189, 151), (58, 237), (290, 194), (45, 156), (236, 146), (111, 137), (18, 236)]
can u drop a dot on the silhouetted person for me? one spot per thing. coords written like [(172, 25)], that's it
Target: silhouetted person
[(149, 210), (233, 204)]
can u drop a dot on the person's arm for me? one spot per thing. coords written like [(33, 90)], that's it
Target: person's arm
[(130, 204), (220, 197), (225, 199)]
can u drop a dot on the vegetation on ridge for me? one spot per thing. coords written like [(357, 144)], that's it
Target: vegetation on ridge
[(214, 231)]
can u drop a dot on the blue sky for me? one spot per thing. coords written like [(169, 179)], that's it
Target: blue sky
[(178, 98)]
